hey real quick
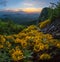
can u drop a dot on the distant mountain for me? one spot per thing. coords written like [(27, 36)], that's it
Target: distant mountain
[(19, 16)]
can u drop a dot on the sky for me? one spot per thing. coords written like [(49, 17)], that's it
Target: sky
[(25, 5)]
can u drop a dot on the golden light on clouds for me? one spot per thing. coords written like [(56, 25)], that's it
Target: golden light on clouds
[(29, 10)]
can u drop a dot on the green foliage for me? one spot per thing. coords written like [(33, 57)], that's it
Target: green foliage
[(55, 11), (51, 13), (10, 28), (4, 56), (45, 14)]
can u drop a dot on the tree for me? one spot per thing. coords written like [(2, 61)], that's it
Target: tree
[(45, 14), (56, 10)]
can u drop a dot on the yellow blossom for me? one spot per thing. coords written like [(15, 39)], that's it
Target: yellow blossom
[(24, 44), (17, 55), (17, 40), (1, 46), (45, 56), (58, 45)]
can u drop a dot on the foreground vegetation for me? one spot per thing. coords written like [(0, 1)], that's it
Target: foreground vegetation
[(9, 27), (28, 45)]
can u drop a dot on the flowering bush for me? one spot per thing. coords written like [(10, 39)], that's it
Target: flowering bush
[(44, 23), (27, 45)]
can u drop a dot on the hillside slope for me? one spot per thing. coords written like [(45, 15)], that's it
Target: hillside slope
[(52, 14)]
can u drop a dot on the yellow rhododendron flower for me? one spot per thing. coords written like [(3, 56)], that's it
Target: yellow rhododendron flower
[(2, 39), (44, 23), (39, 47), (45, 56), (36, 48), (24, 44), (1, 46), (8, 44), (58, 44), (17, 55), (17, 40), (46, 46)]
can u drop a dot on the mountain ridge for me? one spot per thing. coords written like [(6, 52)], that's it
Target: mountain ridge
[(19, 16)]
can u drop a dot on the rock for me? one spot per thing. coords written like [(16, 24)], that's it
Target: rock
[(57, 35), (54, 28)]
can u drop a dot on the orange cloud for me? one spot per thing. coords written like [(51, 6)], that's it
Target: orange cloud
[(29, 10)]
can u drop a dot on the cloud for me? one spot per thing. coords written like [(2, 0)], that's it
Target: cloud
[(33, 3), (28, 4), (32, 10), (11, 10), (28, 10)]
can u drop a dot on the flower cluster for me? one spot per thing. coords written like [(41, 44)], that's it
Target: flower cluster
[(16, 54), (30, 39), (45, 56), (44, 23)]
